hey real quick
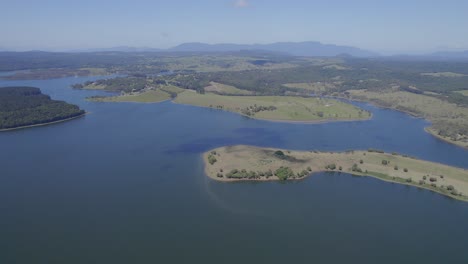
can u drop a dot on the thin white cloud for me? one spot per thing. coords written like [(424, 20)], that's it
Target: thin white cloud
[(241, 3)]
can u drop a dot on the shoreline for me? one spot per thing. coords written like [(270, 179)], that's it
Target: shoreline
[(311, 174), (429, 130), (426, 129), (134, 102), (252, 158), (44, 124)]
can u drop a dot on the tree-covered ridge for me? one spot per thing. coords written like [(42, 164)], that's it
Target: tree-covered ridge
[(118, 84), (25, 106)]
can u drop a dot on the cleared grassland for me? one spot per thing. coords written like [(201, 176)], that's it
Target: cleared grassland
[(316, 87), (464, 92), (443, 74), (152, 96), (171, 89), (335, 67), (96, 71), (286, 108), (450, 122), (94, 87), (220, 88), (211, 63), (256, 162)]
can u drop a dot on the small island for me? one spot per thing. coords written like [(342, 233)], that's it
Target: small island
[(22, 107), (248, 163)]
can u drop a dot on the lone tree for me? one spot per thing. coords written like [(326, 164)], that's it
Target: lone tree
[(211, 159), (279, 153), (283, 173)]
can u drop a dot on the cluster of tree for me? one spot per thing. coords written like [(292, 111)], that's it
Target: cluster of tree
[(456, 98), (281, 155), (283, 173), (303, 173), (260, 62), (119, 84), (171, 93), (453, 191), (11, 61), (253, 109), (243, 174), (212, 158), (445, 189), (356, 168), (375, 150), (43, 74), (452, 129), (411, 89), (189, 81), (412, 73), (24, 106)]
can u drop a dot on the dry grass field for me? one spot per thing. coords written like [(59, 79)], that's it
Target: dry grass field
[(281, 108), (220, 88)]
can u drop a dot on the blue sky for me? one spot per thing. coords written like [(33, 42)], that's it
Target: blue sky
[(384, 26)]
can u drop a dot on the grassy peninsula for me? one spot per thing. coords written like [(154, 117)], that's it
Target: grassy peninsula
[(22, 107), (244, 163), (277, 108)]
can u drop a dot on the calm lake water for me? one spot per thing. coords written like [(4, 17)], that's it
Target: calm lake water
[(125, 184)]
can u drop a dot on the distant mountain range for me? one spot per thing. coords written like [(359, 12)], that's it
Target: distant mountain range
[(309, 48), (120, 49), (451, 54), (435, 56)]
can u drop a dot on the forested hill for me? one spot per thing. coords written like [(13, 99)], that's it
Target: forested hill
[(25, 106)]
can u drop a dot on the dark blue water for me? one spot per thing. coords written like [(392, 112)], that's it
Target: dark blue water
[(125, 184)]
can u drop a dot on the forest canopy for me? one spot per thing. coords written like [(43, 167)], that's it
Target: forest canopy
[(25, 106)]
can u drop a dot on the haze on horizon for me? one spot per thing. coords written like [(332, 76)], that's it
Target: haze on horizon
[(387, 27)]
